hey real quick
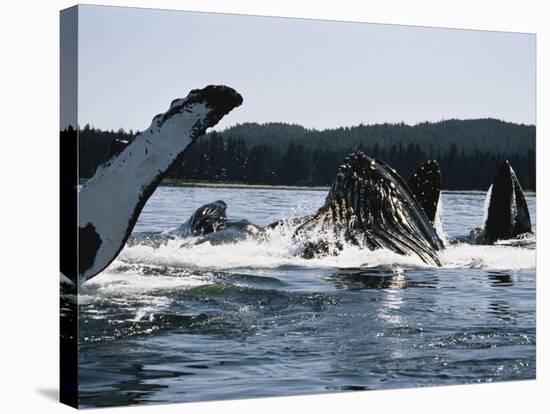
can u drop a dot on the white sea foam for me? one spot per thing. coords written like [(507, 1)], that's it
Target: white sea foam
[(132, 280), (115, 281), (179, 264), (281, 251), (488, 257)]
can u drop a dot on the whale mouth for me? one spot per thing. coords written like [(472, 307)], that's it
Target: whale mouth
[(371, 206)]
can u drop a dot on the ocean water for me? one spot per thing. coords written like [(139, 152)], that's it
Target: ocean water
[(250, 319)]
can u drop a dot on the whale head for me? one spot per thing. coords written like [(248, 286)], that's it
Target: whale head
[(207, 219), (371, 206)]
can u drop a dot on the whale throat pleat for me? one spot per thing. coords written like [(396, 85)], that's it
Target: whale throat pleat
[(370, 205)]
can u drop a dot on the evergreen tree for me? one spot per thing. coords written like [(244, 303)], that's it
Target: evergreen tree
[(469, 152)]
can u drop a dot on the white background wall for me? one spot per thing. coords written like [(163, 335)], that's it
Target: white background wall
[(29, 205)]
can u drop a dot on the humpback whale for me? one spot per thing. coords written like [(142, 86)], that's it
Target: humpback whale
[(111, 201), (371, 206), (507, 215), (207, 219), (210, 224)]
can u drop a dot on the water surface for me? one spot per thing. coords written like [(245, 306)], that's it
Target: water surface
[(251, 319)]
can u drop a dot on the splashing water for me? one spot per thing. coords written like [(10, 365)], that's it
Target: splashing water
[(280, 250)]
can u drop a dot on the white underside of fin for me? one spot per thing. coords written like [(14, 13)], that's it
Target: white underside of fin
[(108, 200)]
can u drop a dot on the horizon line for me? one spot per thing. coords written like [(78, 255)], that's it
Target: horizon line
[(412, 125)]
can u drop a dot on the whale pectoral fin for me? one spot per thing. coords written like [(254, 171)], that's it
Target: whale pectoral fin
[(112, 200), (425, 184), (507, 212)]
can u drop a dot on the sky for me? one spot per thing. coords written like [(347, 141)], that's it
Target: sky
[(320, 74)]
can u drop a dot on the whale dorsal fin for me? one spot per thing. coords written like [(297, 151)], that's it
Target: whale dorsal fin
[(425, 184), (507, 213)]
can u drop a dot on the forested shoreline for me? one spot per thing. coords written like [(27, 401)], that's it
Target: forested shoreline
[(469, 152)]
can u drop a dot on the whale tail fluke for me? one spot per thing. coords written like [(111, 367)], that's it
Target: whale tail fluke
[(425, 184), (507, 213)]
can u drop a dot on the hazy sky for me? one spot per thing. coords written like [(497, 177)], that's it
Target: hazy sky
[(134, 62)]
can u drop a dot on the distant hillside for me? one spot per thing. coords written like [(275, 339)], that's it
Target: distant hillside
[(469, 135), (469, 152)]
